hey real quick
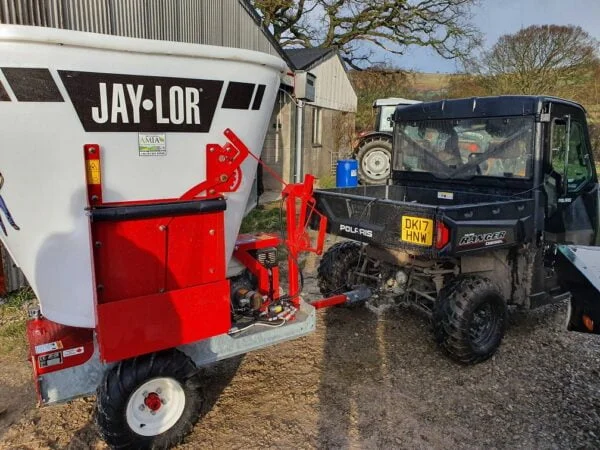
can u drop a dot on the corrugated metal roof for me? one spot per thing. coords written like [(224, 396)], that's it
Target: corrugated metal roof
[(307, 58)]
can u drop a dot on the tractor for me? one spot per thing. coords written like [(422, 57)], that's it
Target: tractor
[(373, 149)]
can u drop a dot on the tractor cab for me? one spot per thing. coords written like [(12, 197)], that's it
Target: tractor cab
[(384, 111)]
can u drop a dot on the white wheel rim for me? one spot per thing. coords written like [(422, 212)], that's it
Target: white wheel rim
[(377, 164), (143, 415)]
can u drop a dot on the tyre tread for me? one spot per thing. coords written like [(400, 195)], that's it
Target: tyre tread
[(119, 383), (452, 313), (334, 265)]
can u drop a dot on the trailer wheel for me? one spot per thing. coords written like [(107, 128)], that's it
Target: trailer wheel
[(469, 319), (374, 160), (152, 401), (335, 272)]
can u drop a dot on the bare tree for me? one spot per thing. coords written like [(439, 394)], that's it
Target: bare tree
[(359, 27), (540, 59)]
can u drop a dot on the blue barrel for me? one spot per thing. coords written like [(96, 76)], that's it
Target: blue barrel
[(346, 173)]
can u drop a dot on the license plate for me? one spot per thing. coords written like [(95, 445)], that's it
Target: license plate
[(417, 230)]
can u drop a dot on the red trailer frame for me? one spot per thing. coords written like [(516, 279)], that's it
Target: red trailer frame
[(160, 274)]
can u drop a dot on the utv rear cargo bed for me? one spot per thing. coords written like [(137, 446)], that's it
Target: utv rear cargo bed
[(425, 221)]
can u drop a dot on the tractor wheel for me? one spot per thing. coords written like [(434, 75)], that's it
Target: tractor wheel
[(149, 402), (469, 319), (335, 272), (374, 160)]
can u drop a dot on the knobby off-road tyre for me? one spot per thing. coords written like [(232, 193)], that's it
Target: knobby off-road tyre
[(374, 160), (149, 402), (334, 274), (469, 319)]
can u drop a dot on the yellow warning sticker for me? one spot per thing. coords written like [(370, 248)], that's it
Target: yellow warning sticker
[(93, 171)]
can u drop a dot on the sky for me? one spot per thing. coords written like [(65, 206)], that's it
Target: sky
[(495, 18)]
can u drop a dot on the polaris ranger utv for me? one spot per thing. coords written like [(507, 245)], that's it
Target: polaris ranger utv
[(462, 231)]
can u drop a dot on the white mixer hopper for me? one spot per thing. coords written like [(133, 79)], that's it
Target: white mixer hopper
[(151, 106)]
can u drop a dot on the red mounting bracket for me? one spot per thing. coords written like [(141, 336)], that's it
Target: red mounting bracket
[(223, 171), (298, 239)]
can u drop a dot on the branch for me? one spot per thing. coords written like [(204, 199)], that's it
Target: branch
[(361, 26)]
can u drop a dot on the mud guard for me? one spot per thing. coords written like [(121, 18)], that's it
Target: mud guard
[(579, 270)]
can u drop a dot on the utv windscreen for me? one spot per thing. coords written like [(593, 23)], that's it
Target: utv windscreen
[(462, 149)]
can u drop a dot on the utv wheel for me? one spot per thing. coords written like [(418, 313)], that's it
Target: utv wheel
[(374, 160), (335, 272), (150, 402), (469, 319)]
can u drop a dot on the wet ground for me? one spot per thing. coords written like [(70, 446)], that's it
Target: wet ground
[(366, 379)]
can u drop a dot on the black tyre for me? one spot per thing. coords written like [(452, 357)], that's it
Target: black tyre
[(335, 272), (149, 402), (469, 319), (374, 160)]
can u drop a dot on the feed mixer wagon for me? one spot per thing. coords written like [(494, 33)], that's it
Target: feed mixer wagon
[(126, 166)]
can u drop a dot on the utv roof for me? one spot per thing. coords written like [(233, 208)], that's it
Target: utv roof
[(392, 101), (462, 108)]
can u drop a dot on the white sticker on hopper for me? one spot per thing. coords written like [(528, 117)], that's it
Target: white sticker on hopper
[(51, 346), (152, 144), (353, 173), (73, 352)]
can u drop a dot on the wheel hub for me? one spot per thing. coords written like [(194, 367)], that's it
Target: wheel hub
[(153, 401), (376, 163), (155, 406), (482, 325)]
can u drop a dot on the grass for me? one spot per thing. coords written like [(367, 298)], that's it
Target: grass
[(263, 218), (430, 81), (326, 181), (13, 331), (19, 298), (266, 218), (13, 319)]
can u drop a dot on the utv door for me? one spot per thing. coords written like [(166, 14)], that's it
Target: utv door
[(570, 180), (572, 215)]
